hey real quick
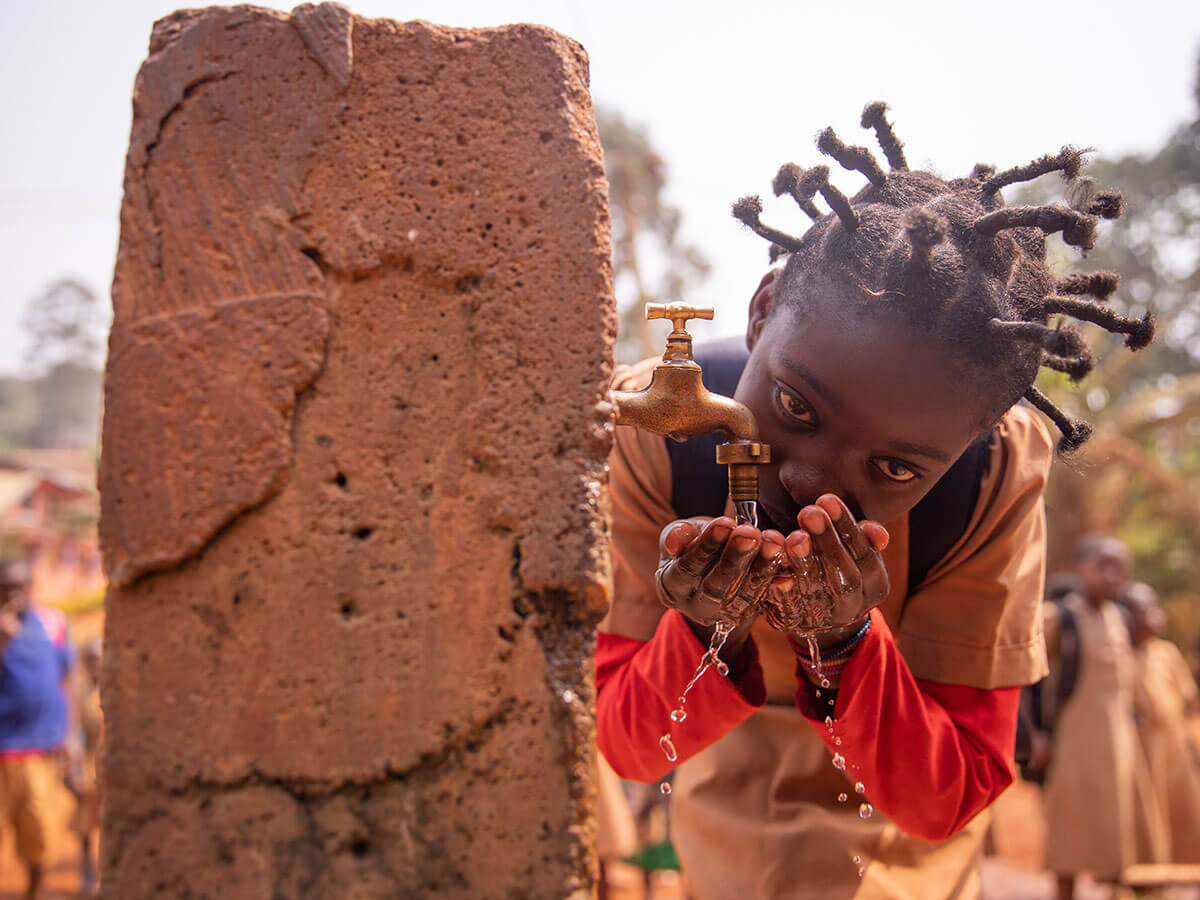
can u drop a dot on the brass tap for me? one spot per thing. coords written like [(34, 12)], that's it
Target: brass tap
[(676, 404)]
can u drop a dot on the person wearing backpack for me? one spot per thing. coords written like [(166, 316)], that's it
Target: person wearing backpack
[(901, 527), (1101, 812)]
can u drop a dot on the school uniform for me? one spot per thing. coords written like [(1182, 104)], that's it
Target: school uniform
[(1165, 703), (1101, 813), (925, 714)]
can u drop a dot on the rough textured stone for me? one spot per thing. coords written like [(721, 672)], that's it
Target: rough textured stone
[(353, 462)]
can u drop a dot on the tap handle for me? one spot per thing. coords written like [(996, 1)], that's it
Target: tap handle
[(678, 313)]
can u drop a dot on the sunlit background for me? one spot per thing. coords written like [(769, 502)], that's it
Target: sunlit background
[(697, 104)]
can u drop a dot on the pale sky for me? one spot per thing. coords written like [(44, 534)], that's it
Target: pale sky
[(727, 97)]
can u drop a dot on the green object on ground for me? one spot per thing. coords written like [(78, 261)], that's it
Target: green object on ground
[(658, 858)]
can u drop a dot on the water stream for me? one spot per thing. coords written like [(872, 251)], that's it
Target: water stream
[(746, 512)]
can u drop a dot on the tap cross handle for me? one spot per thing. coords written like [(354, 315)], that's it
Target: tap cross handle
[(678, 313)]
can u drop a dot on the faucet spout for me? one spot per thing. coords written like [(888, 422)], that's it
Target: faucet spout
[(676, 404)]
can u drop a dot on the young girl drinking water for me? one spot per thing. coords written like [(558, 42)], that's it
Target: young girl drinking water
[(901, 528)]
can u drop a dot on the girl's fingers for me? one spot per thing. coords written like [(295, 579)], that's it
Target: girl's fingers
[(722, 581), (680, 576), (677, 536), (848, 530), (841, 569), (876, 534), (763, 568)]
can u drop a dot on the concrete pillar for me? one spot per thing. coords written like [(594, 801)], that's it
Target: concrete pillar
[(353, 463)]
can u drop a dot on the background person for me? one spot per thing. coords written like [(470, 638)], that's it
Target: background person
[(37, 658), (1166, 705), (1101, 812)]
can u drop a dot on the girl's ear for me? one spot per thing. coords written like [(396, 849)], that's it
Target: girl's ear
[(760, 307)]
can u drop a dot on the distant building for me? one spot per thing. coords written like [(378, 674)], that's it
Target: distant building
[(49, 507)]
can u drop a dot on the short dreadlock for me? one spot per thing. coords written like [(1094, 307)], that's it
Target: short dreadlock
[(957, 260)]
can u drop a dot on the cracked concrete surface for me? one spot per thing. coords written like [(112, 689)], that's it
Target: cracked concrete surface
[(353, 463)]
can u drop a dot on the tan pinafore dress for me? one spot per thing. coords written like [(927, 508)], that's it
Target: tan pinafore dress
[(1097, 786)]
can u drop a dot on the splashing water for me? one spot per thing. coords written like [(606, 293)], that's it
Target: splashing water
[(839, 762), (746, 512), (668, 748), (865, 811), (859, 787), (710, 659), (858, 860), (814, 652), (842, 798)]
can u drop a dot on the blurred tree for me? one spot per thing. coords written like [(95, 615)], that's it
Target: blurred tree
[(1139, 476), (58, 403), (63, 325), (650, 263)]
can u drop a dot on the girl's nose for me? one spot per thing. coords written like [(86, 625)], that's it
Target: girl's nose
[(807, 479)]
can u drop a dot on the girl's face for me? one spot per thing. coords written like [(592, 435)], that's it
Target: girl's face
[(861, 406)]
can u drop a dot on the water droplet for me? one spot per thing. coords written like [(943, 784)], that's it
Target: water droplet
[(668, 748), (678, 715), (858, 860), (837, 741), (866, 811), (859, 788), (831, 703), (862, 871), (825, 683), (818, 693), (665, 788), (722, 668), (842, 798), (829, 722), (839, 761)]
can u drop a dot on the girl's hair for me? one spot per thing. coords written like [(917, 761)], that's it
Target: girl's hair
[(957, 261)]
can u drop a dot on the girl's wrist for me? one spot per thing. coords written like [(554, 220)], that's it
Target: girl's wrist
[(830, 639), (824, 668)]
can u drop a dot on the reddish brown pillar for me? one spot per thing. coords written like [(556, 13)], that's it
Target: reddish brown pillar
[(353, 458)]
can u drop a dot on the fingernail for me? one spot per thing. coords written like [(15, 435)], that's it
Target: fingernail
[(833, 508), (769, 550), (721, 533), (798, 543), (815, 522), (743, 543)]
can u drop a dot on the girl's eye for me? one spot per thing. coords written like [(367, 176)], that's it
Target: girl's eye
[(793, 407), (894, 470)]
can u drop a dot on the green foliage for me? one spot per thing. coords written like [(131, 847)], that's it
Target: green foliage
[(1139, 476)]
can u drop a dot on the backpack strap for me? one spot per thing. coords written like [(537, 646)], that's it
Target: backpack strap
[(1068, 655), (1039, 711), (941, 518)]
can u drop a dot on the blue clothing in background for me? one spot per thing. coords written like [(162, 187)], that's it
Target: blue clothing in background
[(33, 704)]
